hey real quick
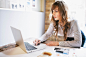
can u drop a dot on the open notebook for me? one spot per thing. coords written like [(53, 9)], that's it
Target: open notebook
[(25, 46)]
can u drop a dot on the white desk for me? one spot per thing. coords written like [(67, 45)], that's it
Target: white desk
[(18, 52)]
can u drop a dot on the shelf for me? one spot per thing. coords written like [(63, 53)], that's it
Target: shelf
[(17, 10)]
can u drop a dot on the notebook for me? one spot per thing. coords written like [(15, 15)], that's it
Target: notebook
[(25, 46)]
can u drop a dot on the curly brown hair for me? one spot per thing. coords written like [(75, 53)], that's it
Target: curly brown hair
[(63, 12)]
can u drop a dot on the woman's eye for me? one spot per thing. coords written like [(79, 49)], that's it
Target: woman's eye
[(56, 11)]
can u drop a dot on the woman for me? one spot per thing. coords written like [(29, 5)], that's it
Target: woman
[(61, 25)]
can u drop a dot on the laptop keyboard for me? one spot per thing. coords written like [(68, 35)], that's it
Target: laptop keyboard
[(29, 47)]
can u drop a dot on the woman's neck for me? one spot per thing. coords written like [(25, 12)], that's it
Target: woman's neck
[(61, 24), (57, 22)]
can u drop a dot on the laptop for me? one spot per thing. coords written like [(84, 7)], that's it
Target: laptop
[(25, 46)]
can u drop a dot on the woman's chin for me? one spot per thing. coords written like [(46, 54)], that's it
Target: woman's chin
[(56, 19)]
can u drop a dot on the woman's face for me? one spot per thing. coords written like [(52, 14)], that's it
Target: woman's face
[(56, 14)]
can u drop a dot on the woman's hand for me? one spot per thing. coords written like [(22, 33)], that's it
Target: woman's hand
[(36, 42), (53, 43)]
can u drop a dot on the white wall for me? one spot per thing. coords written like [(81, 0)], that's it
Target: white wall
[(31, 24)]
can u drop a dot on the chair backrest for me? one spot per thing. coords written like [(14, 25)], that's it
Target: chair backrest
[(83, 39)]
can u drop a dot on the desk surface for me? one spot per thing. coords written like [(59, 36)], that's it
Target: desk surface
[(18, 52)]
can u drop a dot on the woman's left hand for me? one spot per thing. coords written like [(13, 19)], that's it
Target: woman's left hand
[(53, 43)]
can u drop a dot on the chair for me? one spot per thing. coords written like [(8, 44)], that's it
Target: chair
[(83, 38)]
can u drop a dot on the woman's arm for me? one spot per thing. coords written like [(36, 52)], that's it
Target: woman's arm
[(77, 38), (48, 33)]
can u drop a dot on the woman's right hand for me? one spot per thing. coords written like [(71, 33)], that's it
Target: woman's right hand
[(36, 42)]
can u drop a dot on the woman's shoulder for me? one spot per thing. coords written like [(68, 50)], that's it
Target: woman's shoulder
[(51, 25), (73, 22)]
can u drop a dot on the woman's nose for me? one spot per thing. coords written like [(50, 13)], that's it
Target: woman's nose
[(53, 13)]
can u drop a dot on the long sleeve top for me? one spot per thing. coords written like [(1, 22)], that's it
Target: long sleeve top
[(74, 32)]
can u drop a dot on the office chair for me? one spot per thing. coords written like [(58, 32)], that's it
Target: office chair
[(83, 38)]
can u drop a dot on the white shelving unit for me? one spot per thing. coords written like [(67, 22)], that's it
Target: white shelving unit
[(23, 5)]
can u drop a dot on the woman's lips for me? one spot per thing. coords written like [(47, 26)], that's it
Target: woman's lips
[(54, 17)]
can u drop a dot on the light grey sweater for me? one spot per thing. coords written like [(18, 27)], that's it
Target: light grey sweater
[(74, 31)]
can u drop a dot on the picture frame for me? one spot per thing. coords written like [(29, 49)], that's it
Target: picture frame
[(34, 3), (28, 5)]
